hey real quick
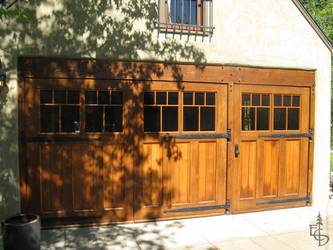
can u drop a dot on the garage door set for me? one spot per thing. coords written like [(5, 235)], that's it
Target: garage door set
[(128, 141)]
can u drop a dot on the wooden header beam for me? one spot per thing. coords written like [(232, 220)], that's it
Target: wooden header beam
[(152, 71)]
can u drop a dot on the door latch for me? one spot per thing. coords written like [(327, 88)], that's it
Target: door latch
[(237, 152)]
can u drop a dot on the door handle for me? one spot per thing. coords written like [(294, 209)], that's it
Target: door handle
[(237, 152)]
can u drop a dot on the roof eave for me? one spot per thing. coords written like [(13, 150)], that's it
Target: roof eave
[(314, 25)]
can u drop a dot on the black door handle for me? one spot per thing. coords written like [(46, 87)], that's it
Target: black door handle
[(237, 152)]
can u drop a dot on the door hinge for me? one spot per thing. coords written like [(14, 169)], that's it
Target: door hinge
[(226, 208), (22, 139), (228, 135)]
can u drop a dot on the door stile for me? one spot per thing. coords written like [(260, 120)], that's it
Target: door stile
[(231, 143), (311, 142)]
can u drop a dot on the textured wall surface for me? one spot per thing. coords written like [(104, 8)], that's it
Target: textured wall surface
[(257, 33)]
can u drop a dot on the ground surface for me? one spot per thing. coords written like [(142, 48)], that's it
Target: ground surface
[(280, 229)]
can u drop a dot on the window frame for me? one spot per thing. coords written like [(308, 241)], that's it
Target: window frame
[(181, 106), (82, 111), (271, 112), (204, 17), (59, 105)]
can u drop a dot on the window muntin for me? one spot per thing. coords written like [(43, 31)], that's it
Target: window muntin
[(257, 111), (103, 111), (286, 112), (59, 111), (161, 111), (199, 111)]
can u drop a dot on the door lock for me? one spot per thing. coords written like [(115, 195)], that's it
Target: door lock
[(237, 152)]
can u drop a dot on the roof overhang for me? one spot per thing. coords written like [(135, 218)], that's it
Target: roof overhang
[(314, 25)]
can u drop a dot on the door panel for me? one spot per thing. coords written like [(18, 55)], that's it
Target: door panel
[(179, 175), (248, 169), (271, 126), (55, 165), (268, 169), (153, 172), (179, 169)]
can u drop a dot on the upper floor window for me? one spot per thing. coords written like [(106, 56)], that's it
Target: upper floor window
[(186, 16)]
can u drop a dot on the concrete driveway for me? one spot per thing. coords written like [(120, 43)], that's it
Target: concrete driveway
[(279, 229)]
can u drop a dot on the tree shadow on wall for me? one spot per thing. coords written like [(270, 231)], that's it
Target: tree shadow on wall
[(116, 30)]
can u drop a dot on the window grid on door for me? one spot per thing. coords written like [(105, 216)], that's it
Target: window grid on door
[(199, 111), (103, 111), (161, 111), (269, 112), (59, 110)]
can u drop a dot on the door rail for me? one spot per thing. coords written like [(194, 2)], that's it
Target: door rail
[(289, 135), (54, 139), (226, 135)]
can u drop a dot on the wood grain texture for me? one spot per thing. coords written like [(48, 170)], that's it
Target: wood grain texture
[(157, 71), (270, 169), (137, 176)]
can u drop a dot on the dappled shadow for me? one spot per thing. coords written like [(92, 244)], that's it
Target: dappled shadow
[(106, 177), (139, 236)]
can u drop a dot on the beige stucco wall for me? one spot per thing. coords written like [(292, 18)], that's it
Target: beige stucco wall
[(258, 33)]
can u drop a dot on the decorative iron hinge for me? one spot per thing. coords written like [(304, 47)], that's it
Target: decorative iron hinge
[(226, 207), (22, 139), (289, 135), (226, 135), (306, 199)]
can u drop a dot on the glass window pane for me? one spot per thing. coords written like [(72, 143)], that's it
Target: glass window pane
[(46, 96), (287, 100), (94, 119), (113, 119), (280, 119), (116, 97), (277, 100), (293, 119), (60, 96), (266, 100), (255, 100), (184, 11), (207, 119), (210, 98), (170, 119), (263, 119), (296, 101), (103, 97), (191, 119), (152, 119), (70, 115), (188, 98), (248, 119), (149, 98), (246, 99), (173, 98), (199, 98), (49, 119), (161, 98), (73, 97), (91, 97)]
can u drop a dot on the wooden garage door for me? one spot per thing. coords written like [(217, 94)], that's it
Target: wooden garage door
[(183, 168), (271, 126), (76, 153), (108, 151)]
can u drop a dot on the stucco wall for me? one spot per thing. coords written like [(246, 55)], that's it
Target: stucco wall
[(258, 33)]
